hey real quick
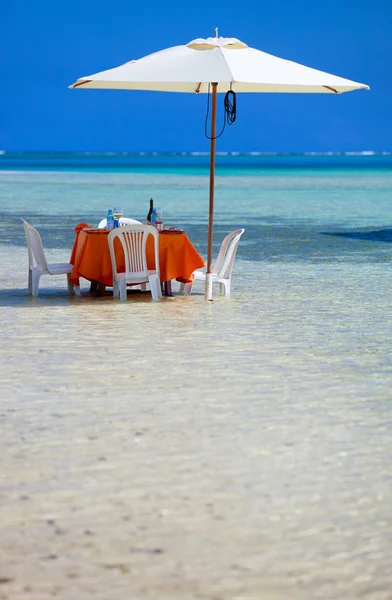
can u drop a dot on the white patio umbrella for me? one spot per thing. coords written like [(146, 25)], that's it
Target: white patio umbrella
[(221, 64)]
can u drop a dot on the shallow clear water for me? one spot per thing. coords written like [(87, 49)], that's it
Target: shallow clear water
[(239, 450)]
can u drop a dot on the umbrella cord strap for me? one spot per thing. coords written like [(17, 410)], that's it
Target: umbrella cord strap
[(230, 114)]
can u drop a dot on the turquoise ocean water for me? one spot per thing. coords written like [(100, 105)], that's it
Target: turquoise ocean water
[(294, 207), (236, 450)]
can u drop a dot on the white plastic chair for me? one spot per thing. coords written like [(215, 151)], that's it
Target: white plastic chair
[(133, 239), (123, 221), (42, 267), (223, 266)]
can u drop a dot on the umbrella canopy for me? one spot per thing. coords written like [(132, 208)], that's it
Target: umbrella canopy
[(219, 64), (226, 61)]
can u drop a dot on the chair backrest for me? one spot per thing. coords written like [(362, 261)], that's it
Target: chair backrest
[(133, 239), (123, 221), (35, 248), (225, 259)]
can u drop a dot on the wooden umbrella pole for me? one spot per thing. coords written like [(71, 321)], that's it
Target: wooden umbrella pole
[(208, 289)]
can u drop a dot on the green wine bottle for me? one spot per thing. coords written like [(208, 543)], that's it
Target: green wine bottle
[(150, 211)]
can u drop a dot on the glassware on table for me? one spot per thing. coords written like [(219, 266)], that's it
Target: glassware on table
[(159, 223), (117, 213), (109, 220)]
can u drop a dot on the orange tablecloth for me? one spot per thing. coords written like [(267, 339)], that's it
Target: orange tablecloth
[(90, 257)]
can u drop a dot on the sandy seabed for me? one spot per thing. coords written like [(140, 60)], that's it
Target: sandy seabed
[(178, 450)]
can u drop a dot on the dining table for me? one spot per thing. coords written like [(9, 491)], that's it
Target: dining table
[(90, 258)]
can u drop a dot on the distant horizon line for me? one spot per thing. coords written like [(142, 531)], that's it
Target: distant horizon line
[(196, 153)]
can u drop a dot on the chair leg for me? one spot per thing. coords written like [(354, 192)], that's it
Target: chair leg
[(35, 283), (155, 285), (187, 288), (72, 289), (227, 286), (123, 289), (222, 289), (30, 284), (181, 290), (115, 289)]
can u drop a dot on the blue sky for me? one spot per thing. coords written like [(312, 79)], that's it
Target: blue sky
[(46, 44)]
